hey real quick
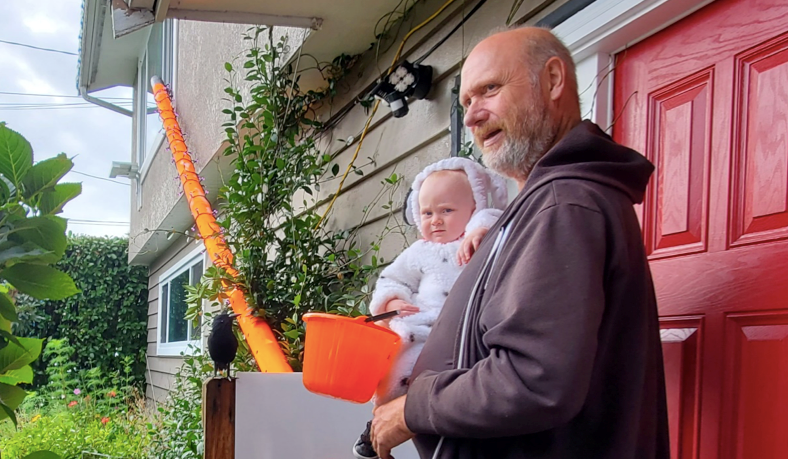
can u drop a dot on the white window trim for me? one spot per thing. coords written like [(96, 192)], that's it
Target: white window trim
[(175, 349), (607, 27), (144, 168)]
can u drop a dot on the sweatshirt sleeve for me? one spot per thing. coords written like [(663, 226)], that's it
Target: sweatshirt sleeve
[(543, 309), (400, 280), (484, 218)]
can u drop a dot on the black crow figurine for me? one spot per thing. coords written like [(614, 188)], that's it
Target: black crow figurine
[(222, 344)]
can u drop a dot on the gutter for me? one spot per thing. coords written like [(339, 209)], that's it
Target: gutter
[(103, 103)]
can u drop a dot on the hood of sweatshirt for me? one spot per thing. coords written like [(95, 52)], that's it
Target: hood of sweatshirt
[(587, 153)]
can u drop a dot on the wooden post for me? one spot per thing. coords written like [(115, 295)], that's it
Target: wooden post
[(218, 418)]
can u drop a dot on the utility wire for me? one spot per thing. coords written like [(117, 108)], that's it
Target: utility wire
[(5, 93), (39, 48), (13, 109), (110, 224), (84, 220), (100, 178)]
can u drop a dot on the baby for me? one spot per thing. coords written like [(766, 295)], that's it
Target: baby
[(454, 202)]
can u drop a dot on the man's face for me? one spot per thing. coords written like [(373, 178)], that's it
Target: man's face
[(505, 109), (446, 204)]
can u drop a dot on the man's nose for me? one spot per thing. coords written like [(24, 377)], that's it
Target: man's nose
[(475, 115)]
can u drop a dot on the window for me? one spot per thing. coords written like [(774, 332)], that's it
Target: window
[(175, 332), (158, 58)]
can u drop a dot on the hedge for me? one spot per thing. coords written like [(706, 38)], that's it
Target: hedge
[(107, 320)]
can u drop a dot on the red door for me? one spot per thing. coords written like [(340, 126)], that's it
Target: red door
[(706, 100)]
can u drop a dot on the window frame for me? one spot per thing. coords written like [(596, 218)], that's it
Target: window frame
[(185, 265), (169, 50)]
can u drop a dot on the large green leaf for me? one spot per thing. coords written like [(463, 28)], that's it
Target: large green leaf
[(18, 376), (8, 412), (40, 281), (53, 200), (48, 232), (7, 308), (11, 253), (10, 399), (46, 173), (16, 155), (14, 357), (42, 455)]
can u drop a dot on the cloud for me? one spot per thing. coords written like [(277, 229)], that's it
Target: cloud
[(95, 135)]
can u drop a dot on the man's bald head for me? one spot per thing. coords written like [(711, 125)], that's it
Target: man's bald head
[(520, 84)]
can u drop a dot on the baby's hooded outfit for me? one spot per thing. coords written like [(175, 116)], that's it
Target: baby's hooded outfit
[(423, 274)]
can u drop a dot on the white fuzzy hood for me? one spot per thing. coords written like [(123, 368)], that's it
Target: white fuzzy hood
[(489, 188)]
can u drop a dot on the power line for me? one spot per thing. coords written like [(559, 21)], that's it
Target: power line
[(100, 178), (14, 109), (39, 48), (49, 104), (96, 222), (26, 94)]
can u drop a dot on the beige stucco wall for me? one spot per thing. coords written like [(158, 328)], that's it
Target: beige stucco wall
[(402, 145), (202, 50)]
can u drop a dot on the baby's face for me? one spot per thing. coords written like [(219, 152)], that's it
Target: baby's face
[(446, 204)]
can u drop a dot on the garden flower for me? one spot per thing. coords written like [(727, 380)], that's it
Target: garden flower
[(72, 404), (35, 418), (77, 391), (112, 394), (104, 420)]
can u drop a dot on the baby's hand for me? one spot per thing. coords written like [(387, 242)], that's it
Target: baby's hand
[(405, 308), (470, 244)]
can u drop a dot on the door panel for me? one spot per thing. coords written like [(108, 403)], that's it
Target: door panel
[(761, 144), (681, 354), (756, 382), (706, 100)]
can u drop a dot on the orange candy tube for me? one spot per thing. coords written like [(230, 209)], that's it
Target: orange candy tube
[(258, 334)]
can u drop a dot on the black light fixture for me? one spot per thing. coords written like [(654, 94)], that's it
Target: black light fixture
[(406, 80)]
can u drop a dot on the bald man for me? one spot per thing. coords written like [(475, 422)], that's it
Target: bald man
[(548, 345)]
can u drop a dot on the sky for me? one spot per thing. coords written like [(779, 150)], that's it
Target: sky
[(92, 135)]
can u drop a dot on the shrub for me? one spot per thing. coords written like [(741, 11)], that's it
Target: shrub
[(289, 261), (107, 320), (71, 431), (80, 411), (32, 237), (176, 432)]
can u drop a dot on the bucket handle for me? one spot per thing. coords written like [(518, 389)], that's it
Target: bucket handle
[(384, 316)]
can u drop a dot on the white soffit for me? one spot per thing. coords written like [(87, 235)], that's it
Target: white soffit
[(106, 62), (339, 26)]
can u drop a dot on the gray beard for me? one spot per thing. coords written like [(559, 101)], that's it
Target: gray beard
[(517, 157)]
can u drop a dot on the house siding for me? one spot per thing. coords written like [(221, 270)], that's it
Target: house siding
[(160, 373), (202, 50), (406, 145)]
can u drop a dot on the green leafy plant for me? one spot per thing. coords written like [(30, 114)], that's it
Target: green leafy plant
[(176, 432), (32, 237), (106, 321), (73, 432), (94, 412), (289, 264)]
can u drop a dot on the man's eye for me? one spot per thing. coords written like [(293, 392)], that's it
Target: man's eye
[(491, 87)]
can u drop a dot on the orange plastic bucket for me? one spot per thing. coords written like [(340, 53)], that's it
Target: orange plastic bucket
[(345, 357)]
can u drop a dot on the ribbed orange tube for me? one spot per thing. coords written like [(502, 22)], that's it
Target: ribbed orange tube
[(259, 337)]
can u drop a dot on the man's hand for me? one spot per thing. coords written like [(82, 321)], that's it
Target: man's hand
[(389, 428), (470, 244)]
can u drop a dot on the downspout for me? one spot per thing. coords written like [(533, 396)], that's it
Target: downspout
[(102, 103)]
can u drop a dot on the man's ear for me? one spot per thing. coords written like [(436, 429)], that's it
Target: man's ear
[(555, 76)]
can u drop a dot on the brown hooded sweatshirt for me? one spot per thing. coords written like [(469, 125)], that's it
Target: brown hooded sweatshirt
[(563, 357)]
